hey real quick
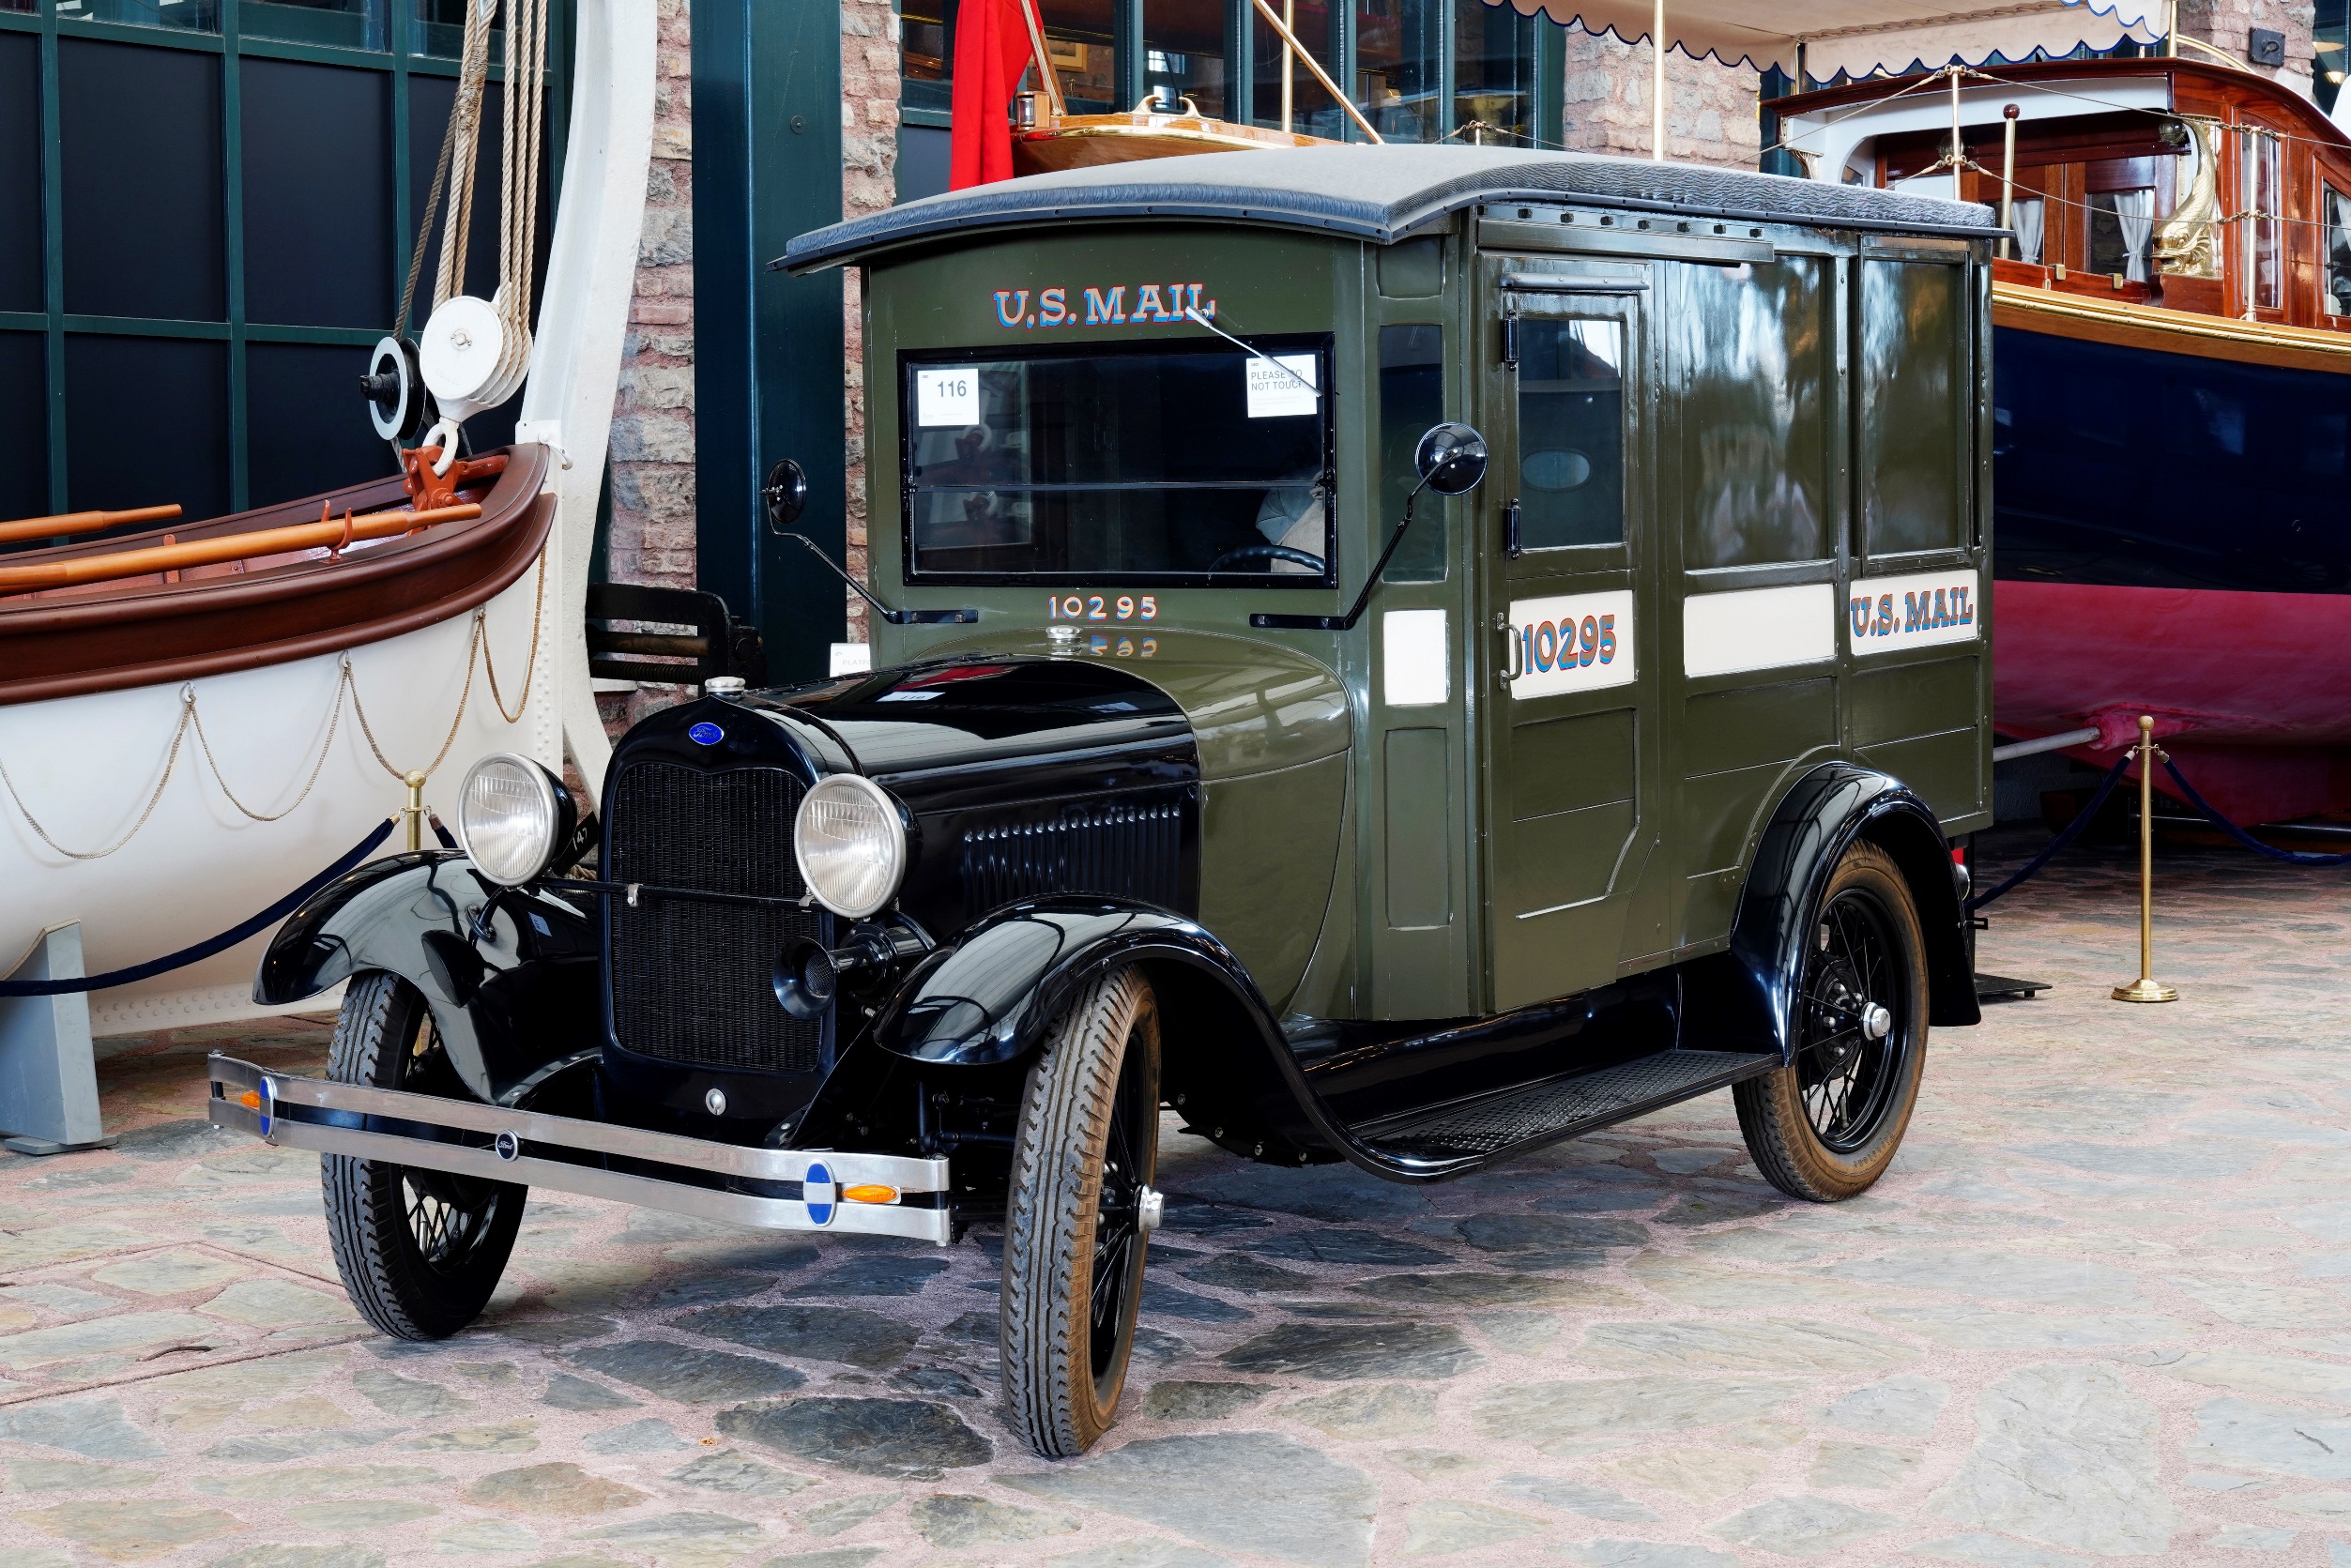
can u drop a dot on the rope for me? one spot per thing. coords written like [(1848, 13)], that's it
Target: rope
[(2291, 856), (171, 760), (465, 136), (2066, 835), (334, 718), (530, 665), (518, 218), (211, 945)]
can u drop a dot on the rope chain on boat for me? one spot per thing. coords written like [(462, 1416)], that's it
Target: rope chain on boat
[(477, 651)]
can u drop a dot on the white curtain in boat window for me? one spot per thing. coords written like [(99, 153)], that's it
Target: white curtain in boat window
[(2025, 217), (2134, 214), (2338, 293)]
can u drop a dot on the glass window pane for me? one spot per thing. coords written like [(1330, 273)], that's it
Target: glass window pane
[(143, 215), (1493, 76), (20, 287), (1411, 398), (345, 23), (318, 240), (2338, 299), (1751, 345), (1398, 69), (1184, 51), (307, 388), (1911, 406), (2267, 200), (1077, 38), (189, 16), (1312, 113), (440, 30), (112, 463), (24, 413), (1133, 463), (1571, 433)]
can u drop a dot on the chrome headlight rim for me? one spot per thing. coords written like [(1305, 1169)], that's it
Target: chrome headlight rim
[(556, 809), (898, 851)]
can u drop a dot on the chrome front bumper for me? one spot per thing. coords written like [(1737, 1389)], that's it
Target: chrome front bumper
[(781, 1189)]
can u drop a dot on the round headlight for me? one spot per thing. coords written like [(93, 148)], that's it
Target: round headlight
[(850, 845), (512, 814)]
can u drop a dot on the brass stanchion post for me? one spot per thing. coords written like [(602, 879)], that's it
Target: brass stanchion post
[(2147, 988), (414, 810)]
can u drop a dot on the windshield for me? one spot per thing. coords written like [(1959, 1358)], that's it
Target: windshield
[(1141, 464)]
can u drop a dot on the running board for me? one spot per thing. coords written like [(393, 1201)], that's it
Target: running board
[(1483, 1129), (778, 1189)]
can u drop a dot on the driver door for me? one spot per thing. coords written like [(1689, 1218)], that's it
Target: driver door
[(1568, 585)]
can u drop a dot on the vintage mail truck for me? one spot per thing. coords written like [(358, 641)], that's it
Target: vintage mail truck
[(1398, 655)]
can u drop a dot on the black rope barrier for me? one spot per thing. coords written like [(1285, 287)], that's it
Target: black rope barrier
[(2292, 857), (211, 945), (2066, 835)]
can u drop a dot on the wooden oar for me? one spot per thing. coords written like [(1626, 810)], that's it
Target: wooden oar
[(82, 523), (332, 534)]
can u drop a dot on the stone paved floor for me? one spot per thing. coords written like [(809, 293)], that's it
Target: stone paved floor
[(2098, 1312)]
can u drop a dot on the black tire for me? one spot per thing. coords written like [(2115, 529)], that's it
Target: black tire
[(420, 1251), (1088, 1145), (1824, 1127)]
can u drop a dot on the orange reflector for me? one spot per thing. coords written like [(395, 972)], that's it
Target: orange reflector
[(251, 1099), (870, 1192)]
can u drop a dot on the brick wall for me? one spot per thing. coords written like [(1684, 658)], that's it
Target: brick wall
[(2225, 24), (869, 183), (1709, 112)]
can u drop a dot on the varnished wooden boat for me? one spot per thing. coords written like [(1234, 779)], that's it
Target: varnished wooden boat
[(2169, 459), (268, 609), (1081, 141)]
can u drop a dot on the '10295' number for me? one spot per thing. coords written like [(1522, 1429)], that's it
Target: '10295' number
[(1567, 644), (1094, 607)]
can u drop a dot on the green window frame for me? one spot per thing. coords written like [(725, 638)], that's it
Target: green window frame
[(406, 35)]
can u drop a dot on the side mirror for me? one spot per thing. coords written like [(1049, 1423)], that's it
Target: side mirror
[(786, 495), (1450, 459)]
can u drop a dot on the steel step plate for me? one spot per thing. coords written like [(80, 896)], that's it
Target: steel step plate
[(1560, 1107)]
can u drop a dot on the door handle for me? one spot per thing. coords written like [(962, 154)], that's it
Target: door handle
[(1510, 343), (1510, 529), (1514, 662)]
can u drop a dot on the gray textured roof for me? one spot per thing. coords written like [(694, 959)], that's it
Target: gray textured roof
[(1381, 194)]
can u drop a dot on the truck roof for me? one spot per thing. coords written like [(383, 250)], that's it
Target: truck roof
[(1379, 193)]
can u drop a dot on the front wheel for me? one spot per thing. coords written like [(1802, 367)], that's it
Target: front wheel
[(1825, 1126), (420, 1251), (1083, 1161)]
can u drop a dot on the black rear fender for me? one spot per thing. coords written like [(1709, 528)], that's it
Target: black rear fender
[(511, 974), (1746, 999)]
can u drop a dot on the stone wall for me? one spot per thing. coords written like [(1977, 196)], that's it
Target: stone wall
[(2225, 24), (1709, 112), (869, 183)]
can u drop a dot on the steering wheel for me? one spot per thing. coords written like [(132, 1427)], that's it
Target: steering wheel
[(1269, 553)]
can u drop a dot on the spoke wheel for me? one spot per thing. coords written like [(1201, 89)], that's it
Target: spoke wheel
[(1087, 1149), (1825, 1126), (420, 1251)]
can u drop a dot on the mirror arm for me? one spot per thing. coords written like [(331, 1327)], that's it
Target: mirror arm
[(1355, 611), (895, 618)]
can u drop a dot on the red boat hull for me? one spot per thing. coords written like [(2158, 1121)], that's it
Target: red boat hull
[(2248, 688)]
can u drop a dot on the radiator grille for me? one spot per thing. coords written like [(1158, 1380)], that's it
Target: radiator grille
[(690, 981), (1125, 849)]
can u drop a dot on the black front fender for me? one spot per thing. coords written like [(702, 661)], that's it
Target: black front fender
[(1746, 999), (989, 996), (511, 974)]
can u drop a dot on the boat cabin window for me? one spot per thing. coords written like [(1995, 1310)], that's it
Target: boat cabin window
[(2027, 216), (2338, 295), (1412, 399), (1159, 461), (1571, 433), (2260, 193), (1911, 406), (2120, 212), (1754, 343)]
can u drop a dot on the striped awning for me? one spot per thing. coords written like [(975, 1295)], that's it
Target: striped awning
[(1863, 36)]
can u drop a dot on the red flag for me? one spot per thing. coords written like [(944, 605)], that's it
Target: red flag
[(991, 53)]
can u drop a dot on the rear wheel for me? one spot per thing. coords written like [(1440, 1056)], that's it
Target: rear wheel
[(420, 1251), (1825, 1126), (1074, 1229)]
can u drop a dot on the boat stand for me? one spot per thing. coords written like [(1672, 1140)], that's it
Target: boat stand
[(48, 1070)]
